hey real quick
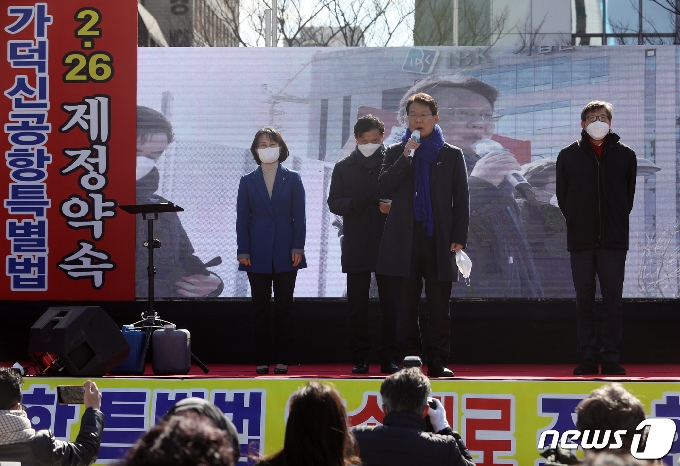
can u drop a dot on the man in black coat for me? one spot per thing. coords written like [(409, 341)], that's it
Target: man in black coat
[(595, 192), (427, 224), (354, 194), (402, 439), (21, 444)]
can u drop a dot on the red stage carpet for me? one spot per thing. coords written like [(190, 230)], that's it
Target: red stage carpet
[(636, 372)]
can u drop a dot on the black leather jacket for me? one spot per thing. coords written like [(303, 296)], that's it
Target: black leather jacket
[(45, 450)]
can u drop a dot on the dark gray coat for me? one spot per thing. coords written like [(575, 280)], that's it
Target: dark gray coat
[(402, 441), (450, 205), (354, 194)]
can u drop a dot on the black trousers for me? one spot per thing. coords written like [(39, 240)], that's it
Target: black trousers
[(609, 266), (358, 287), (438, 294), (284, 320)]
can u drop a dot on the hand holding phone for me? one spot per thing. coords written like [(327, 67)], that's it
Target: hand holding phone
[(87, 394)]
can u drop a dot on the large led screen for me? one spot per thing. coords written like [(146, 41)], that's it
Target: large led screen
[(216, 100)]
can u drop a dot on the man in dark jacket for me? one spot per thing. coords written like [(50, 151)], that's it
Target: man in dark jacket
[(354, 194), (498, 240), (179, 272), (402, 439), (427, 225), (20, 443), (595, 192)]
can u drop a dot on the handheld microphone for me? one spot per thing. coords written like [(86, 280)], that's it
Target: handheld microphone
[(414, 135)]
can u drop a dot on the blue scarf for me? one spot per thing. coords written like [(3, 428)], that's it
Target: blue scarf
[(424, 156)]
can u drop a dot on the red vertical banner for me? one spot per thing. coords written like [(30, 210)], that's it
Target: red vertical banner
[(68, 109)]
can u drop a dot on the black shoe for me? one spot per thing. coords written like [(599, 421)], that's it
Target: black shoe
[(612, 368), (437, 369), (587, 367), (360, 368), (389, 368), (263, 369), (281, 369)]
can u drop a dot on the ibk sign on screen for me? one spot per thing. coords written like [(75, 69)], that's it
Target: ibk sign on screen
[(67, 105)]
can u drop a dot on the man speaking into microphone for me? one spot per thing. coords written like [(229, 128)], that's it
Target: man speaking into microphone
[(427, 225)]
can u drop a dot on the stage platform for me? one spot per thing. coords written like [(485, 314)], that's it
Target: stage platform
[(498, 372)]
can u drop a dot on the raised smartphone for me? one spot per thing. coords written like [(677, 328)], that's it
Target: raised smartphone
[(70, 394)]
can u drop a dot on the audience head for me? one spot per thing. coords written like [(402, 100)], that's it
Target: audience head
[(405, 392), (188, 439), (10, 388), (611, 459), (317, 431), (610, 407), (212, 412)]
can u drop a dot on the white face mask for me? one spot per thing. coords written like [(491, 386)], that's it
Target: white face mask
[(368, 149), (597, 130), (269, 154), (144, 166)]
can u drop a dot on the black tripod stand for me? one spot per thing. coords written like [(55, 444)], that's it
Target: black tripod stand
[(151, 320)]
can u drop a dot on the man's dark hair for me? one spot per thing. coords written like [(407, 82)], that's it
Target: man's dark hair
[(366, 124), (10, 388), (405, 391), (439, 85), (317, 431), (184, 440), (150, 121), (273, 135), (610, 407), (597, 105), (424, 99)]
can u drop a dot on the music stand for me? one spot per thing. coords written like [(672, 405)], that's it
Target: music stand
[(151, 320)]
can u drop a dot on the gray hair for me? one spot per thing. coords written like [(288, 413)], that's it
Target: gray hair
[(405, 391)]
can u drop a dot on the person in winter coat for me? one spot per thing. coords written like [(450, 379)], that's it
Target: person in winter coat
[(595, 192), (21, 444), (355, 195), (270, 234), (427, 225), (402, 439)]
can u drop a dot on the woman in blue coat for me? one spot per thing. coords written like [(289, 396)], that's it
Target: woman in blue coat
[(270, 230)]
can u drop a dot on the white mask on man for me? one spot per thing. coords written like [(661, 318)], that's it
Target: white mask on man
[(597, 130), (144, 166), (368, 149), (269, 154)]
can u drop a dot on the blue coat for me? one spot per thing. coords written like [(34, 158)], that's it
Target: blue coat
[(269, 229)]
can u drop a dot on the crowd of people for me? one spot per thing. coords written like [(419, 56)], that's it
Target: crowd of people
[(415, 430)]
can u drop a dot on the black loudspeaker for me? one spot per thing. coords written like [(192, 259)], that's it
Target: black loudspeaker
[(86, 341)]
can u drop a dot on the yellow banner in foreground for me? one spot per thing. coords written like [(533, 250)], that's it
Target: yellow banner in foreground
[(500, 421)]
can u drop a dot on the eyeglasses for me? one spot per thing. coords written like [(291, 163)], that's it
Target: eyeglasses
[(471, 115), (594, 118), (414, 116)]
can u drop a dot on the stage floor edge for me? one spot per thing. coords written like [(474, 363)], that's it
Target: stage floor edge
[(635, 372)]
